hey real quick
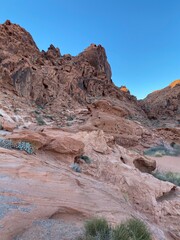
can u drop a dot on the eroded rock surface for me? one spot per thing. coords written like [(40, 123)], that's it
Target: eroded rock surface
[(43, 188)]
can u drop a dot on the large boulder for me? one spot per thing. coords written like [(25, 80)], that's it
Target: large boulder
[(38, 140), (65, 145)]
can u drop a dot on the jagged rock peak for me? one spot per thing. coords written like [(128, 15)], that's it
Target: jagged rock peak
[(93, 46), (7, 22), (16, 40), (53, 52), (96, 56)]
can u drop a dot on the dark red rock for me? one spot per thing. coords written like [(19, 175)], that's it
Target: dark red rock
[(48, 78), (163, 105)]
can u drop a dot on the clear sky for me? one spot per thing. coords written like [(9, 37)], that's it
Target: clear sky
[(141, 37)]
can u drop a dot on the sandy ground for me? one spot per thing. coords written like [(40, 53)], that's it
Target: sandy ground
[(168, 163)]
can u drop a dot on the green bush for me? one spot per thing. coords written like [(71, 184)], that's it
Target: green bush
[(168, 176), (158, 151), (120, 232), (86, 159), (70, 118), (40, 120), (98, 229), (75, 167), (138, 230), (22, 146)]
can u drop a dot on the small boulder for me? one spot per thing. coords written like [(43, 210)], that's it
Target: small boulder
[(144, 164), (8, 126), (37, 139)]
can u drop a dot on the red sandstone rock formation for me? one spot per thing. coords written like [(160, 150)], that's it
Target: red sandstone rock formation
[(164, 104), (97, 119), (50, 79)]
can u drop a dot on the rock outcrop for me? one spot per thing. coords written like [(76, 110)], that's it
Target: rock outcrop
[(164, 105), (111, 186), (54, 80)]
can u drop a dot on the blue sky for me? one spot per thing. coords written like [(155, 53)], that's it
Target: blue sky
[(141, 37)]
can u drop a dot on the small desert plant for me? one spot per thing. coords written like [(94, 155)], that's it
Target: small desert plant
[(162, 150), (22, 146), (158, 154), (86, 159), (168, 176), (137, 230), (75, 167), (70, 118), (97, 228), (5, 143), (49, 116), (40, 120), (132, 229), (37, 112), (120, 232)]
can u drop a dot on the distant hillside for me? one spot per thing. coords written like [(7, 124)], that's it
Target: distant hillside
[(164, 104)]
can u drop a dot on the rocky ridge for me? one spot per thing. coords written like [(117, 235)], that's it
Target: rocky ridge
[(50, 79), (164, 105)]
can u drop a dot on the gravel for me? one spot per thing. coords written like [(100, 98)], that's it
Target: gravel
[(10, 203), (51, 229)]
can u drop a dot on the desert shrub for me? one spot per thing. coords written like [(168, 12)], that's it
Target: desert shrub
[(138, 230), (40, 120), (120, 232), (97, 228), (86, 159), (158, 154), (161, 150), (5, 143), (168, 176), (49, 116), (132, 229), (22, 146), (37, 111), (70, 118), (75, 167)]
